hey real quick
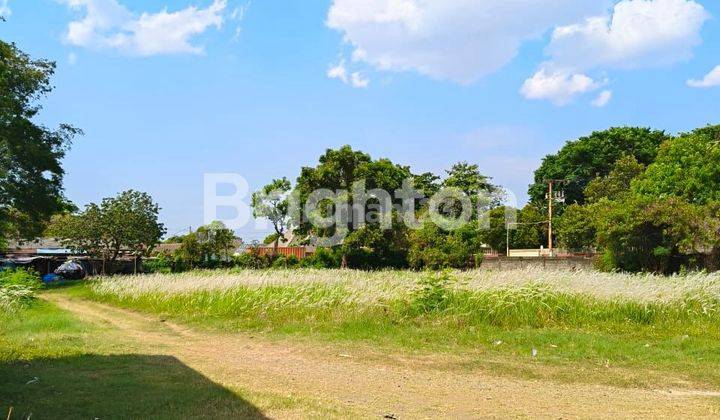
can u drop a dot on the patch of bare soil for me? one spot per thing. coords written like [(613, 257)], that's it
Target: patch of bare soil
[(393, 387)]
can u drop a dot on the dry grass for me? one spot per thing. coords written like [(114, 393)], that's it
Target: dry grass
[(367, 287)]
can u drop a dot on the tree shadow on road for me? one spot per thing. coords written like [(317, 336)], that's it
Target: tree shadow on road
[(122, 386)]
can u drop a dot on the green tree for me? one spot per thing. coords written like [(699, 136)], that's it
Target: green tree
[(433, 248), (617, 183), (271, 202), (687, 167), (576, 228), (531, 231), (216, 241), (31, 174), (652, 234), (125, 224), (338, 171), (582, 160)]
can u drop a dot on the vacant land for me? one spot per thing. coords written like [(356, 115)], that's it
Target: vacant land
[(344, 343)]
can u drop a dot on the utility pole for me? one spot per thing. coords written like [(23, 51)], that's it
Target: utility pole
[(550, 214), (551, 197)]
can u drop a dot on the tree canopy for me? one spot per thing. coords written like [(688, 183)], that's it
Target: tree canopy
[(31, 174), (125, 224), (587, 158)]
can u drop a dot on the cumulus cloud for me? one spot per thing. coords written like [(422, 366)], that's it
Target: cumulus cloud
[(602, 99), (354, 79), (559, 87), (636, 34), (459, 40), (107, 24), (4, 8), (711, 79)]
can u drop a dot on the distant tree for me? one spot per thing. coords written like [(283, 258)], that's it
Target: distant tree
[(191, 253), (687, 167), (31, 174), (617, 183), (125, 223), (433, 248), (532, 229), (576, 228), (650, 234), (272, 203), (495, 234), (587, 158), (469, 179), (339, 170), (427, 183), (216, 241)]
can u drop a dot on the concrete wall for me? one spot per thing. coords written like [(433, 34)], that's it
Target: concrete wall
[(563, 263)]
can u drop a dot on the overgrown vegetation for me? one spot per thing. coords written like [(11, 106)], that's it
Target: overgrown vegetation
[(17, 289)]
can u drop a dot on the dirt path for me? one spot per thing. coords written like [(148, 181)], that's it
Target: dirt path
[(400, 387)]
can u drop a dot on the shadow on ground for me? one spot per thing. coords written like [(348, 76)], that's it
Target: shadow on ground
[(123, 386)]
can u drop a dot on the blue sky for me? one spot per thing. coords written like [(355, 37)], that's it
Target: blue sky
[(263, 88)]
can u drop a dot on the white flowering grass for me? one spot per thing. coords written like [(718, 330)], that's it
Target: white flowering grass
[(369, 287)]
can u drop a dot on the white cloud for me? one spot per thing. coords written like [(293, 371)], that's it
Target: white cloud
[(358, 80), (559, 87), (602, 99), (354, 79), (107, 24), (459, 40), (338, 71), (711, 79), (639, 33), (5, 9)]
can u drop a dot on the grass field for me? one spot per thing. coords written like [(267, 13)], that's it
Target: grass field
[(655, 329), (54, 366)]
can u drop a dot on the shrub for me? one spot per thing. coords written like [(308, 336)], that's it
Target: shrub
[(323, 258), (17, 288), (433, 294), (20, 277)]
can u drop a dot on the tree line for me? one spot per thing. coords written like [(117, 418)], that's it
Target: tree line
[(642, 199)]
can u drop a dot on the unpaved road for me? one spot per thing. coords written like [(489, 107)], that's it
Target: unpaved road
[(392, 385)]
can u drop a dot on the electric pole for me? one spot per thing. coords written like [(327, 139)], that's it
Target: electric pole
[(550, 214), (551, 197)]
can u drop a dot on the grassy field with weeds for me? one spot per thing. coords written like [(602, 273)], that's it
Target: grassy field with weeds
[(651, 326)]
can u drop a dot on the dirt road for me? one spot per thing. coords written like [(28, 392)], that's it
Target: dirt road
[(395, 386)]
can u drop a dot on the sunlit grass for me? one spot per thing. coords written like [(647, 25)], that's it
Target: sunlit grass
[(639, 322)]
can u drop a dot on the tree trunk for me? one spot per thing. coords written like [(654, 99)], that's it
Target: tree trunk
[(343, 261)]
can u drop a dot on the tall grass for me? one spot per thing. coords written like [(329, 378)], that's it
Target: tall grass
[(657, 327), (514, 299)]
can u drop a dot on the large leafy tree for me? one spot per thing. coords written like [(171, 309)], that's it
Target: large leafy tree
[(587, 158), (617, 183), (338, 170), (125, 224), (687, 167), (31, 174)]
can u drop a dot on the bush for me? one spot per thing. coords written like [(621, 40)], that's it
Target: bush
[(285, 261), (323, 258), (433, 294), (17, 288), (161, 264), (20, 277)]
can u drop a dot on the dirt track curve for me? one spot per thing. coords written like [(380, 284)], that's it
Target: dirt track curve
[(391, 385)]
